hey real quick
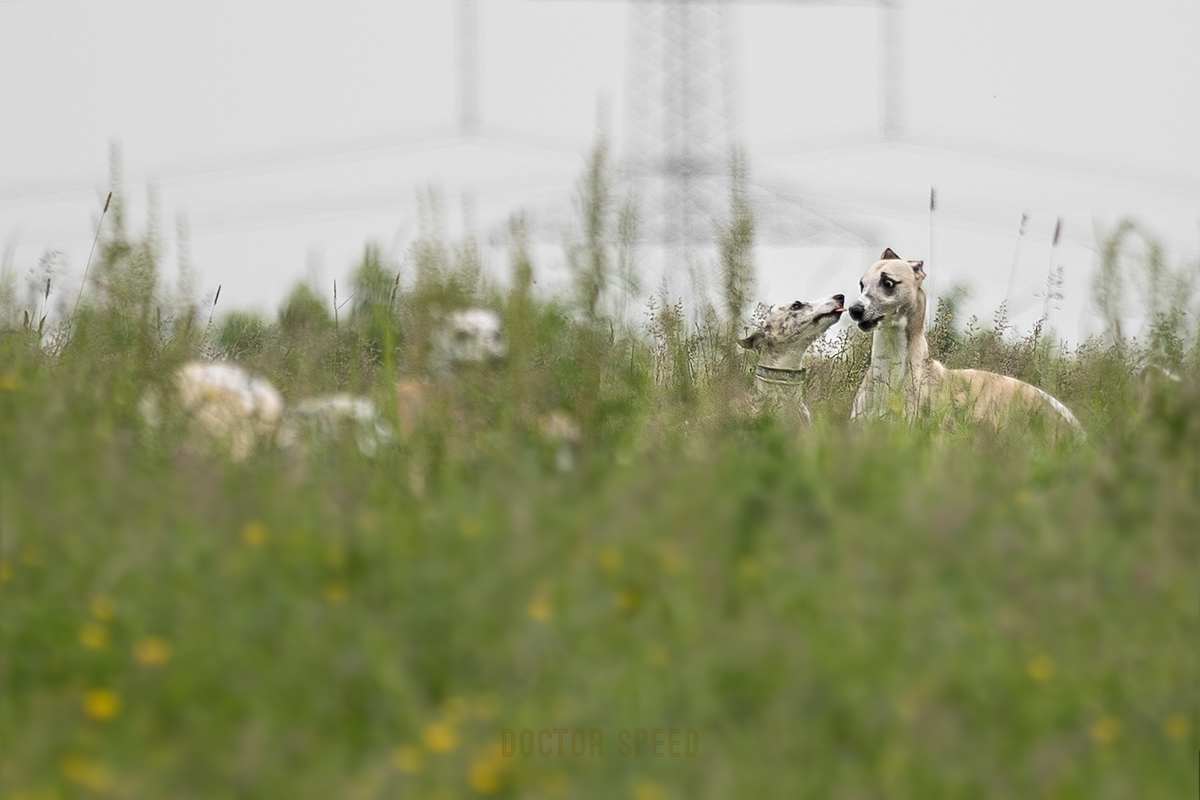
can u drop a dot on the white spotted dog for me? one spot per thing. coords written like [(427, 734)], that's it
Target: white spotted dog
[(781, 336), (903, 379)]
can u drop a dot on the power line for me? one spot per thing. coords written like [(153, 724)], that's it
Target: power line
[(513, 143)]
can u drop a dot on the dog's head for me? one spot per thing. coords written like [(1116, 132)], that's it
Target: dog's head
[(890, 290), (793, 326), (471, 336)]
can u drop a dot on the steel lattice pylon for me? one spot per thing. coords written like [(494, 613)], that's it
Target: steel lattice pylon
[(680, 132), (678, 135)]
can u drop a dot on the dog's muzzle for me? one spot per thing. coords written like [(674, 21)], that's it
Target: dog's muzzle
[(858, 313), (835, 313)]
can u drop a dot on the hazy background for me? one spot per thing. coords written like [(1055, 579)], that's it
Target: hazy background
[(285, 136)]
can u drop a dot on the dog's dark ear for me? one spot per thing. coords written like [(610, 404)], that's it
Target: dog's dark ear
[(918, 268), (753, 341), (889, 255)]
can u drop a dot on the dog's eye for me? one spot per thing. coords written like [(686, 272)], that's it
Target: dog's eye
[(888, 284), (797, 306), (861, 287)]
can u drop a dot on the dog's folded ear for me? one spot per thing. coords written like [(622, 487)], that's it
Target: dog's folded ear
[(890, 255), (758, 319), (918, 268), (753, 341)]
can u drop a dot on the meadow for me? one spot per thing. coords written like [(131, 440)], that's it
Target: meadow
[(839, 612)]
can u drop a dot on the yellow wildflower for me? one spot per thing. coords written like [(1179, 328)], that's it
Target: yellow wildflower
[(254, 534), (484, 777), (539, 607), (610, 559), (334, 593), (628, 600), (649, 790), (1041, 668), (152, 652), (440, 737), (485, 771), (5, 572), (1177, 726), (103, 608), (10, 381), (408, 759), (85, 772), (93, 636), (101, 704), (1105, 730)]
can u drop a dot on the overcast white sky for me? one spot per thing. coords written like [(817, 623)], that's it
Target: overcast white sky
[(290, 134)]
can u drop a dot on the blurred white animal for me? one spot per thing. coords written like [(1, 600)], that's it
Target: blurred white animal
[(1159, 389), (1153, 377), (471, 336), (333, 416), (225, 403)]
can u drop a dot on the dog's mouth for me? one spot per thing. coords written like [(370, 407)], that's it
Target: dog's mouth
[(870, 324), (835, 314)]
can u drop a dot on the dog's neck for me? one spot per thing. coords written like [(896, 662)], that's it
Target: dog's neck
[(783, 367), (778, 379), (899, 352), (789, 358)]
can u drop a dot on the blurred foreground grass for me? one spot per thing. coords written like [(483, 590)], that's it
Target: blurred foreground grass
[(847, 613)]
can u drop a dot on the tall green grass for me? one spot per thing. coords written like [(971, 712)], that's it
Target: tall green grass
[(835, 612)]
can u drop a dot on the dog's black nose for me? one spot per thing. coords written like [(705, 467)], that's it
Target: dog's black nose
[(841, 299), (856, 312)]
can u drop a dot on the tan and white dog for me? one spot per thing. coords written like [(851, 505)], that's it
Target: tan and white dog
[(781, 336), (903, 379)]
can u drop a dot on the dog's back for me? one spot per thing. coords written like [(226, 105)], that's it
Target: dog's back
[(993, 398)]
